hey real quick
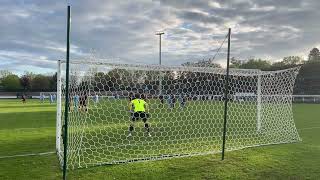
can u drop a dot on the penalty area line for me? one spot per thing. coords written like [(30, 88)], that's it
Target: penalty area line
[(31, 154)]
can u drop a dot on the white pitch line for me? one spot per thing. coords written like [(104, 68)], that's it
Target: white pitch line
[(309, 128), (31, 154), (18, 129)]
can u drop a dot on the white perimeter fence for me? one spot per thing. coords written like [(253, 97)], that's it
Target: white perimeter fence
[(295, 98)]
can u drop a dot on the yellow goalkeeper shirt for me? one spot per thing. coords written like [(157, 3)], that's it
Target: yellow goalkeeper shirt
[(138, 105)]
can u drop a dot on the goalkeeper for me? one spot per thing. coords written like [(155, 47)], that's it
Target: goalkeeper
[(138, 108)]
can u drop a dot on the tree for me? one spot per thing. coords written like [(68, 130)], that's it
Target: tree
[(250, 64), (235, 63), (25, 82), (308, 79), (287, 62), (40, 83), (11, 83), (277, 66), (31, 75), (314, 55), (4, 73), (100, 82), (202, 63), (53, 82), (256, 64), (119, 79), (292, 60)]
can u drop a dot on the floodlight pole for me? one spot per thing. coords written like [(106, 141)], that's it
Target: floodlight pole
[(160, 33), (66, 110), (226, 91)]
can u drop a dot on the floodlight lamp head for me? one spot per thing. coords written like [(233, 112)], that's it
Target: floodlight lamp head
[(159, 33)]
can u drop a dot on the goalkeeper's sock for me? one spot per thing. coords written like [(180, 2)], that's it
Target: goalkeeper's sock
[(146, 126), (130, 129)]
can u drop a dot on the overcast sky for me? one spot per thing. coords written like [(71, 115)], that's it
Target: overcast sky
[(33, 32)]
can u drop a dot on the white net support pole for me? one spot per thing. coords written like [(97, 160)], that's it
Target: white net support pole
[(160, 84), (259, 103), (58, 117)]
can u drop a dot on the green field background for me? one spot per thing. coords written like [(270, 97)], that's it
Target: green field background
[(30, 128)]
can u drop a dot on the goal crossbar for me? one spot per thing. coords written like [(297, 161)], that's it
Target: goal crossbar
[(154, 67)]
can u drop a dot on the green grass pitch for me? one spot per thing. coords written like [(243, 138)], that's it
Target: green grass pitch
[(30, 128), (99, 136)]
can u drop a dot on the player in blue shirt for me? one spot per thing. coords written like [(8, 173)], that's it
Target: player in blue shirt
[(75, 101), (51, 98)]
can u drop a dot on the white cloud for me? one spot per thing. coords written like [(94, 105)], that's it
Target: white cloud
[(214, 4), (125, 30), (262, 8)]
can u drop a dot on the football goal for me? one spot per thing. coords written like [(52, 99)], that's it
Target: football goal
[(183, 114)]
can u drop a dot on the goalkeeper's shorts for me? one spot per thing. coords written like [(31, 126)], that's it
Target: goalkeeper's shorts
[(139, 115)]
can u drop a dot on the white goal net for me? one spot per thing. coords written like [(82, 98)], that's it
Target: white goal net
[(184, 114)]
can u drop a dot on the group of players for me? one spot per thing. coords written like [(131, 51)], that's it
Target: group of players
[(172, 99), (78, 102), (52, 98), (42, 98), (138, 106)]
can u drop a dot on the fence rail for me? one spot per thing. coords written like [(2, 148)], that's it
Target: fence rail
[(295, 98), (306, 98)]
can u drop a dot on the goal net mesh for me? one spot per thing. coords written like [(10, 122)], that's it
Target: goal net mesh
[(185, 111)]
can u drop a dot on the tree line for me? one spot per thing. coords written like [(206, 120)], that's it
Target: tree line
[(28, 82), (308, 80), (265, 65)]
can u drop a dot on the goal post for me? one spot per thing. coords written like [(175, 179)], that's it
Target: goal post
[(59, 111), (185, 116), (259, 103)]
